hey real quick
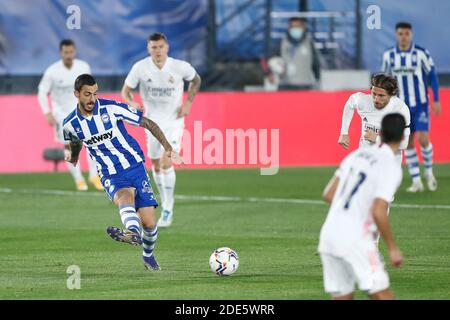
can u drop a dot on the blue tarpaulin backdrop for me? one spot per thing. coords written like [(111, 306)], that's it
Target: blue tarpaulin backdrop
[(113, 32), (112, 37)]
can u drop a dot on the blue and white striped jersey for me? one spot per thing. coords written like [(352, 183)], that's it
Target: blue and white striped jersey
[(105, 137), (413, 69)]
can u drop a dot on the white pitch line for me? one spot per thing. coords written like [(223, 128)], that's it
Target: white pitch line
[(214, 198)]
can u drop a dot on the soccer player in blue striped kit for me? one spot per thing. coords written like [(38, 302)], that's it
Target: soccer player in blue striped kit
[(99, 125), (414, 68)]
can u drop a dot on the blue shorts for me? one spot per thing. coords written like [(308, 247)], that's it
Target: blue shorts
[(134, 177), (420, 117)]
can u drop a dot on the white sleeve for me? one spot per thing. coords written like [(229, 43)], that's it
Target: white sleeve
[(388, 180), (347, 115), (385, 66), (126, 113), (427, 61), (406, 133), (187, 71), (132, 79), (88, 68), (43, 90)]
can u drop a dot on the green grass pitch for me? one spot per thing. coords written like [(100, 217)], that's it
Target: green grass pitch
[(42, 232)]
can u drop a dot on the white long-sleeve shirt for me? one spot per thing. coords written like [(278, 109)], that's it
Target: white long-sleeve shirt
[(58, 81), (371, 116)]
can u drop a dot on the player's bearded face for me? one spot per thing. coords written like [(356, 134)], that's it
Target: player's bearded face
[(158, 49), (68, 54), (86, 97), (380, 97)]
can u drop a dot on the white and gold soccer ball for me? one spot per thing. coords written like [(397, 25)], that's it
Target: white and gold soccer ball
[(224, 261)]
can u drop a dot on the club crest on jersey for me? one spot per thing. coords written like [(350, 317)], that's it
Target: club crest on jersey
[(171, 79), (78, 129), (146, 187), (105, 118)]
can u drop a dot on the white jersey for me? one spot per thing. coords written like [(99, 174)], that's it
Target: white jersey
[(161, 89), (58, 81), (364, 175), (371, 117)]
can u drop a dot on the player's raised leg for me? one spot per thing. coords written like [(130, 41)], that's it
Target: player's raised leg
[(149, 237), (412, 161), (124, 198), (427, 154)]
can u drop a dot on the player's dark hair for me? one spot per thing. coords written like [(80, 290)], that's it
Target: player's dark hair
[(66, 42), (293, 19), (158, 36), (392, 127), (84, 80), (403, 25), (386, 82)]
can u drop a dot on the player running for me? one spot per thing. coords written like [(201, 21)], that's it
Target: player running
[(161, 81), (414, 67), (359, 193), (58, 80), (372, 108), (99, 125)]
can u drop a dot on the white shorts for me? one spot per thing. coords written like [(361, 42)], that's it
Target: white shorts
[(173, 134), (364, 268)]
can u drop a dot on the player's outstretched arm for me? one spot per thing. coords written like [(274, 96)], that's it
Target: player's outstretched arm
[(194, 87), (75, 146), (379, 211), (330, 189), (159, 135), (127, 96)]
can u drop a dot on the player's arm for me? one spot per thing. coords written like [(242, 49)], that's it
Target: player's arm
[(127, 96), (74, 146), (430, 70), (44, 88), (194, 87), (380, 217), (330, 189), (347, 115), (159, 135)]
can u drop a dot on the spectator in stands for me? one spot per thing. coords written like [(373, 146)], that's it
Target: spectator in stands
[(300, 57)]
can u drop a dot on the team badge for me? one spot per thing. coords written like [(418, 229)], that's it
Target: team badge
[(105, 118), (78, 129), (171, 79), (146, 187)]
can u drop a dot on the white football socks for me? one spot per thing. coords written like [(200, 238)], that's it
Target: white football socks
[(169, 179)]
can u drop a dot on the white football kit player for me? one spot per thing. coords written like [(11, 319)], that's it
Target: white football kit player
[(347, 247), (162, 93), (58, 81), (371, 117)]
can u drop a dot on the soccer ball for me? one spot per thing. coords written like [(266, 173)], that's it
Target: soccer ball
[(224, 261)]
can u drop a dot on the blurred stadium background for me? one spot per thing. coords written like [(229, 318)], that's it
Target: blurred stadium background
[(227, 41)]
